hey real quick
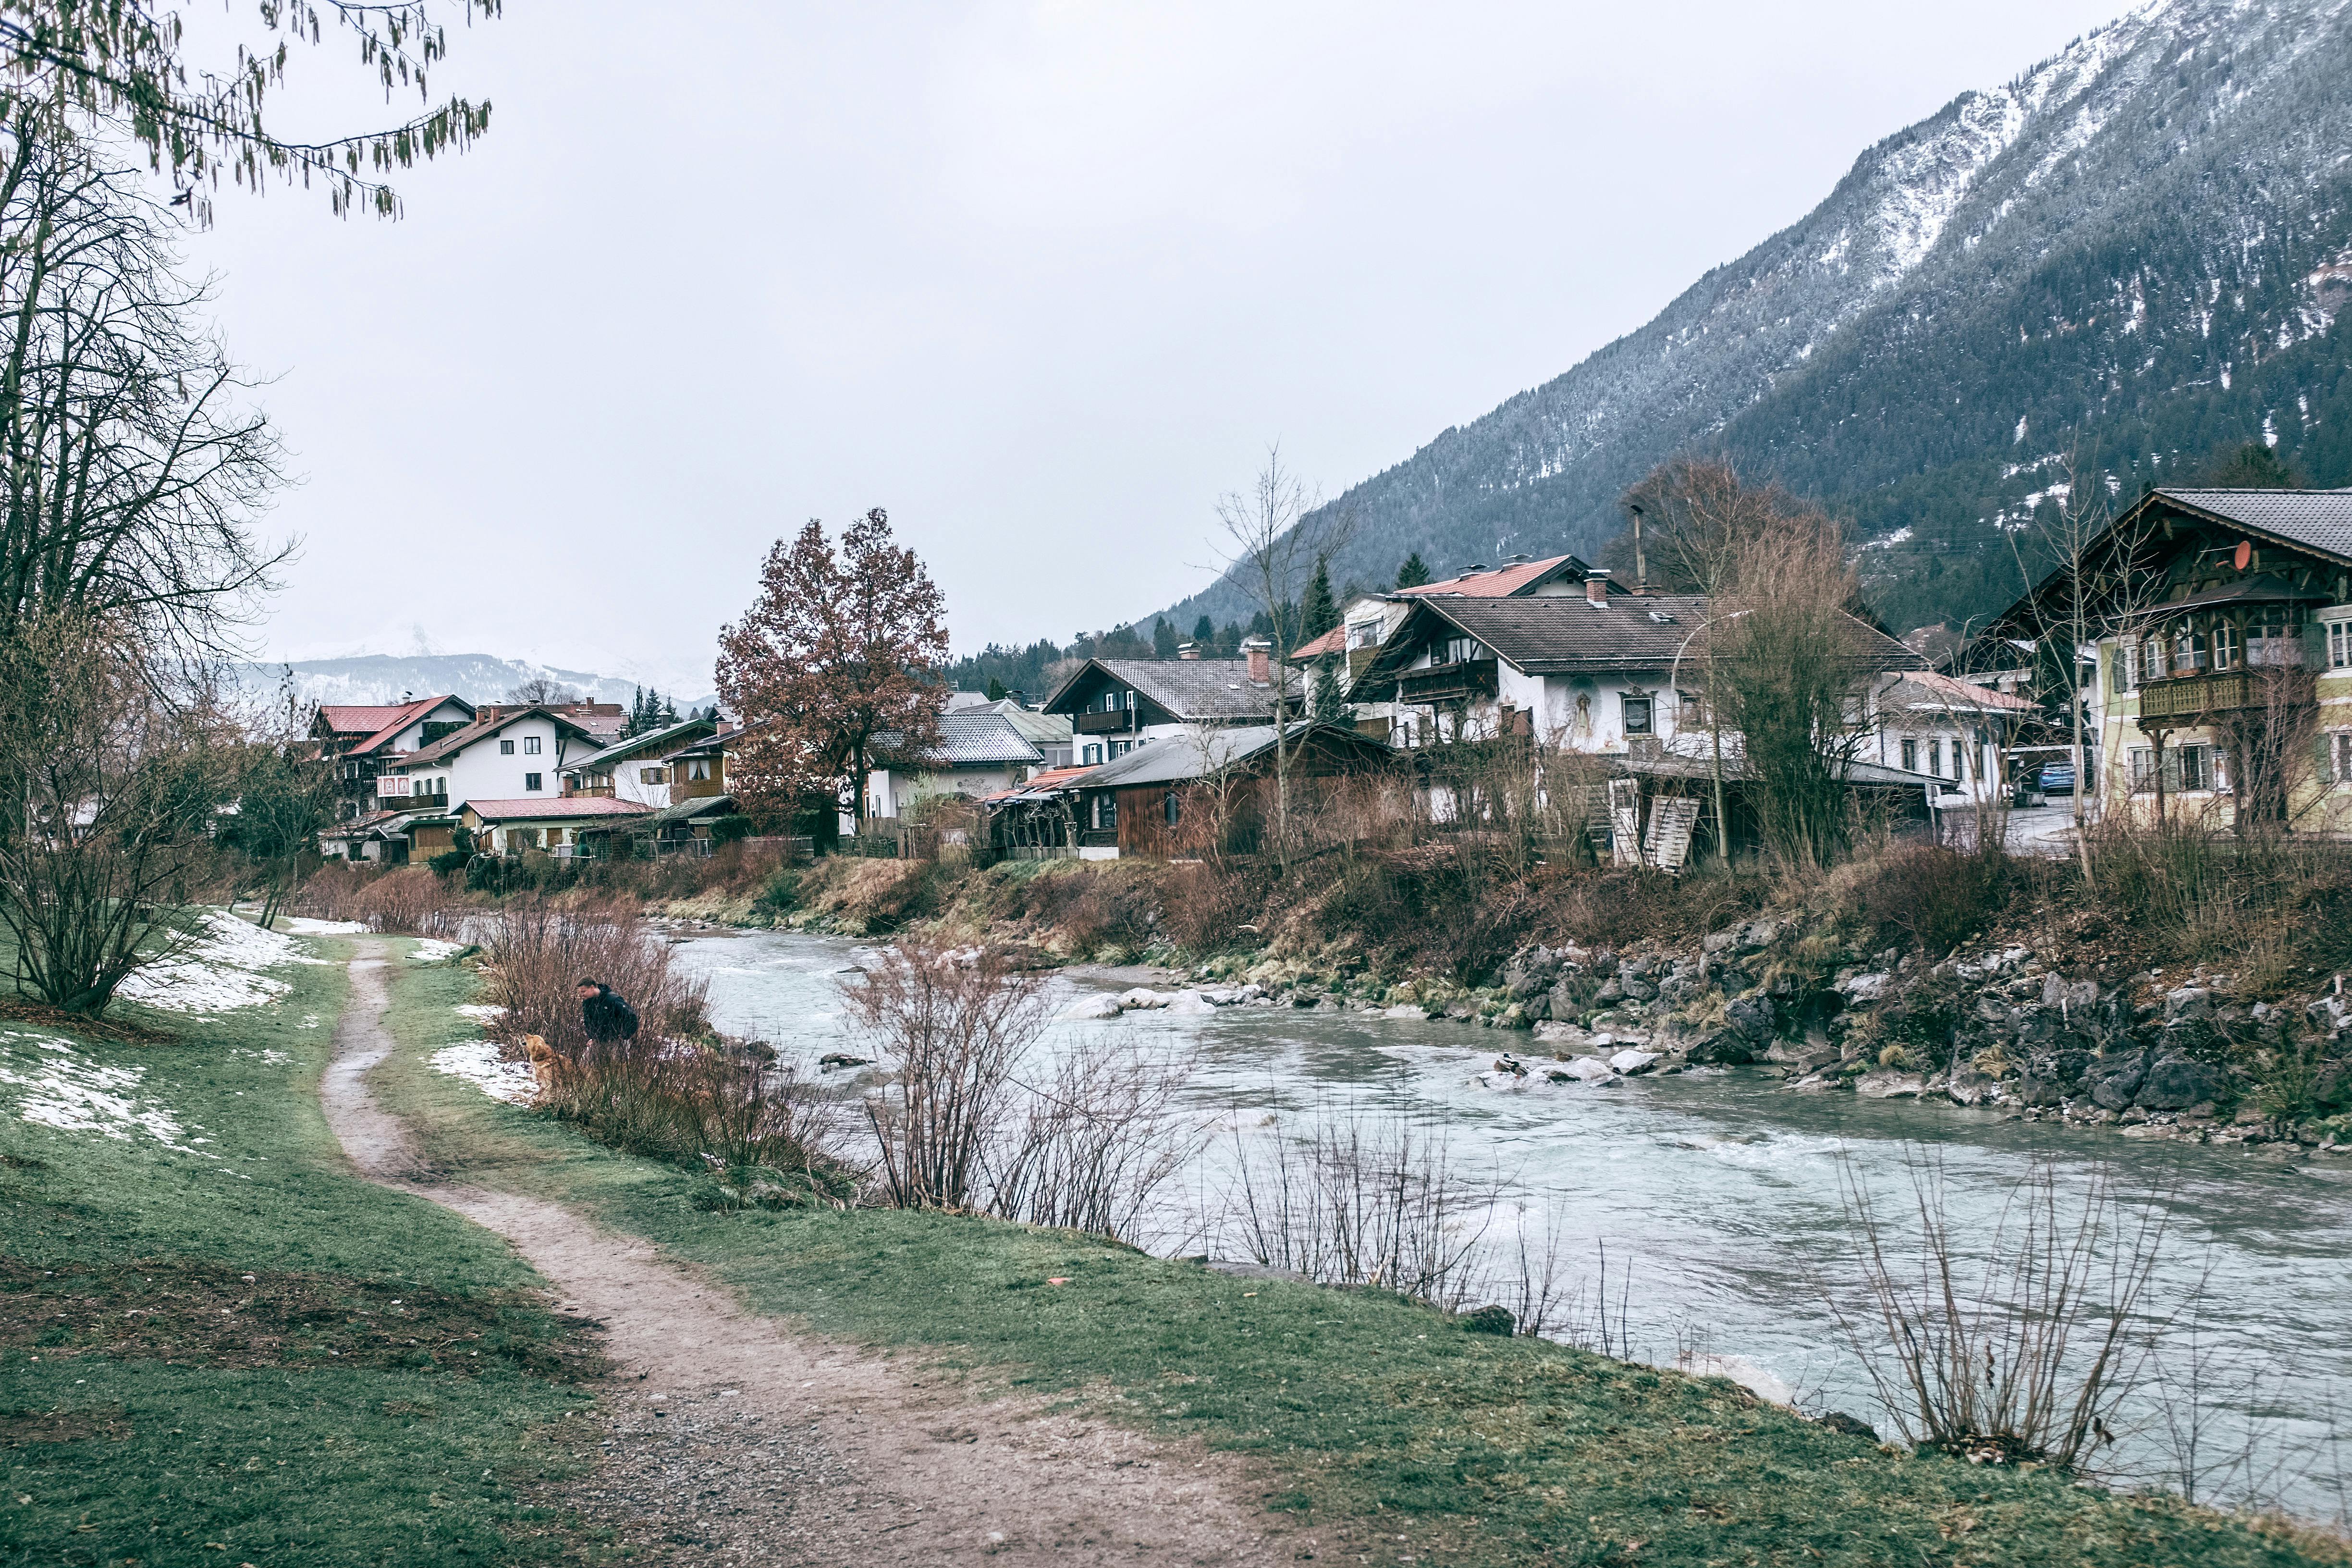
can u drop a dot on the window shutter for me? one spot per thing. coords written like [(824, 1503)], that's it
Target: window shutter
[(2324, 768)]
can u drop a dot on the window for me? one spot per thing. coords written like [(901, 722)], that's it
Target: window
[(2339, 645), (2225, 647), (506, 748), (1093, 754), (530, 781), (2126, 664), (530, 745), (1171, 807), (2187, 652), (1693, 712), (1910, 756), (1105, 814), (1637, 715), (1461, 650), (653, 775), (2196, 768), (1363, 633), (1120, 748), (2341, 745), (698, 770), (2143, 770)]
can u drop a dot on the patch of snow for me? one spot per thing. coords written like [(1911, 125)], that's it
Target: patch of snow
[(68, 1091), (303, 925), (478, 1063), (219, 972), (433, 949), (2019, 439), (481, 1012), (274, 1058)]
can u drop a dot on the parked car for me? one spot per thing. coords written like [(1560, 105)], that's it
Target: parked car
[(2057, 778)]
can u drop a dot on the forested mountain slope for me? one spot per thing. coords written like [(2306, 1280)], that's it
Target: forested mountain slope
[(2126, 260)]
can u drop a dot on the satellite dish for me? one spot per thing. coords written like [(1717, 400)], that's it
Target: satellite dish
[(2245, 555)]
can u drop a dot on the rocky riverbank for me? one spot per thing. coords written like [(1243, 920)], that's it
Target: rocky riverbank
[(2014, 1028)]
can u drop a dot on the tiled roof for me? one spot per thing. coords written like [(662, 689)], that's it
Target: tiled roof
[(1212, 690), (1052, 728), (1175, 759), (382, 725), (2319, 519), (1044, 782), (557, 807), (367, 721), (1500, 584), (977, 737), (1333, 641), (1926, 689), (1561, 636)]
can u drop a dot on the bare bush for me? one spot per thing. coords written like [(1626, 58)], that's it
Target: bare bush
[(1364, 1200), (1100, 1141), (2031, 1357), (539, 952), (955, 1025)]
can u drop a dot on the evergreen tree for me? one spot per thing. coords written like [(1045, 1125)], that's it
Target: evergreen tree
[(1414, 573), (1229, 641), (1318, 614), (1204, 633), (995, 689), (2252, 467), (669, 713), (1163, 639), (1328, 709)]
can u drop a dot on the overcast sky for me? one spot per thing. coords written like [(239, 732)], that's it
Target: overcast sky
[(1043, 280)]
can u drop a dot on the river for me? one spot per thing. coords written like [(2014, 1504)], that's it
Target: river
[(1716, 1196)]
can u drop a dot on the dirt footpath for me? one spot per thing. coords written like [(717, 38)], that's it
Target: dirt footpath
[(732, 1440)]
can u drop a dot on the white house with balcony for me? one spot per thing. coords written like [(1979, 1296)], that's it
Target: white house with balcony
[(517, 754)]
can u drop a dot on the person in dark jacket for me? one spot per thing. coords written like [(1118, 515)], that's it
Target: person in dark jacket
[(606, 1016)]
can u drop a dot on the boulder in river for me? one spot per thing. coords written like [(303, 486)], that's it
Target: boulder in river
[(1190, 1002), (1086, 1009), (1143, 997), (1588, 1069), (1633, 1061), (2176, 1083), (1890, 1086)]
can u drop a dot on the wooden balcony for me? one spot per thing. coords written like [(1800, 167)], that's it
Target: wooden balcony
[(2193, 699), (1470, 681), (1117, 723)]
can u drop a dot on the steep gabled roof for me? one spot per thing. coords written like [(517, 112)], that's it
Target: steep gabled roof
[(2316, 519), (381, 723), (1927, 691), (1502, 583), (1333, 641), (979, 737), (1047, 729), (1179, 759), (1201, 691)]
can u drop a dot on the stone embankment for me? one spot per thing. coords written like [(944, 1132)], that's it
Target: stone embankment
[(2009, 1028)]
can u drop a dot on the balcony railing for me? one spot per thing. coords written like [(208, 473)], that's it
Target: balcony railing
[(2185, 699), (1117, 723), (1464, 681)]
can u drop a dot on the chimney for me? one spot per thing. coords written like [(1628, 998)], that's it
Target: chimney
[(1596, 587), (1261, 661), (1641, 565), (1186, 650)]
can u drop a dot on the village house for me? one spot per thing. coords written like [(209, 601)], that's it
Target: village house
[(559, 826), (506, 754), (1114, 705), (636, 769), (1195, 791), (1050, 732), (2221, 637), (359, 742), (979, 752), (1346, 651)]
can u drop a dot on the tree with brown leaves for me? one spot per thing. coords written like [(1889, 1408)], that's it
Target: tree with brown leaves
[(839, 653)]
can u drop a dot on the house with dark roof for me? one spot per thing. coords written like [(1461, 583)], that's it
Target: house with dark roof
[(1205, 789), (1369, 620), (2214, 656), (1604, 672), (1114, 705), (638, 768), (979, 751), (359, 742)]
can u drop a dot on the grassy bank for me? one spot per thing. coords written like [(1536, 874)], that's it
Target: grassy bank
[(1371, 1418), (218, 1346)]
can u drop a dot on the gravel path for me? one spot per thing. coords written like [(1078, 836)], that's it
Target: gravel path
[(732, 1440)]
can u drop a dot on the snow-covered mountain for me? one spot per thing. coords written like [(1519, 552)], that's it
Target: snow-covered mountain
[(2133, 254), (476, 676)]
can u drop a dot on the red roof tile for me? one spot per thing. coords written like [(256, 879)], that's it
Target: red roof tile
[(1333, 641), (559, 806), (1498, 585)]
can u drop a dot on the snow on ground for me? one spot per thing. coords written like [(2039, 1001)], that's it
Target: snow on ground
[(477, 1062), (433, 949), (303, 925), (68, 1091), (219, 971), (481, 1012)]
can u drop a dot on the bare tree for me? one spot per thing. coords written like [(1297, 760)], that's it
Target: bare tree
[(541, 689), (112, 790), (1276, 533), (130, 476)]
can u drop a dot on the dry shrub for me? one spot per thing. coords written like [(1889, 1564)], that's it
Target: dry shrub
[(1212, 907), (1933, 897), (538, 952), (405, 900), (1095, 908), (1098, 1142), (954, 1024), (1617, 907)]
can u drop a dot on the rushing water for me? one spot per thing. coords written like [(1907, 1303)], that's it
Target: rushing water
[(1716, 1196)]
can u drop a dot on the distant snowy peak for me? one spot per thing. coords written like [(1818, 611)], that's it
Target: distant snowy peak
[(367, 680)]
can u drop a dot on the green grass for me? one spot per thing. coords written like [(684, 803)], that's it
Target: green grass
[(313, 1421), (1364, 1412)]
